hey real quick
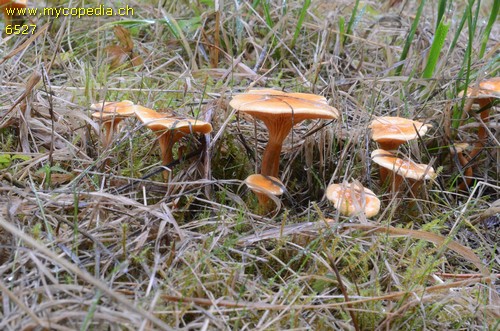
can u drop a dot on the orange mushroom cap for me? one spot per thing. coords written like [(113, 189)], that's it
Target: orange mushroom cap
[(280, 111), (404, 168), (109, 109), (396, 130), (491, 85), (489, 88), (266, 103), (265, 184), (158, 122), (352, 199)]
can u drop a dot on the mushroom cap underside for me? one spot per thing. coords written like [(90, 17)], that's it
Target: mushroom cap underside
[(404, 168), (351, 199), (269, 103), (391, 129), (159, 121)]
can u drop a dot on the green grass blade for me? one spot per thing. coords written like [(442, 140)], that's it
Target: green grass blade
[(176, 30), (300, 21), (267, 13), (409, 40), (458, 32), (341, 31), (467, 62), (487, 31), (440, 13), (352, 19), (436, 47)]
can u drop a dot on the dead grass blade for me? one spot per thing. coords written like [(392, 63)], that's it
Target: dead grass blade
[(337, 305), (436, 239), (81, 274)]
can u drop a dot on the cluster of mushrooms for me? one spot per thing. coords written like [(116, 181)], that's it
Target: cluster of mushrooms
[(169, 128), (280, 111), (484, 95)]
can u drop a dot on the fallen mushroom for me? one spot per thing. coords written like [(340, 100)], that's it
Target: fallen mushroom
[(111, 114), (488, 91), (351, 200), (170, 130), (265, 187), (280, 111), (391, 132), (399, 169)]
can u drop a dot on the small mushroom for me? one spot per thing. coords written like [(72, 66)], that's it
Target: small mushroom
[(265, 187), (111, 114), (399, 169), (488, 91), (280, 111), (390, 132), (170, 129), (352, 199)]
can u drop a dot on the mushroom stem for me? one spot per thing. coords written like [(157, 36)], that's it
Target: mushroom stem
[(467, 171), (415, 187), (390, 145), (166, 142), (278, 131), (387, 146), (271, 159), (265, 204), (383, 175), (108, 134), (396, 182), (481, 133)]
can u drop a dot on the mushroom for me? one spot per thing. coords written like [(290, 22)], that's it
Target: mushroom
[(458, 150), (399, 169), (111, 114), (265, 187), (10, 6), (280, 111), (352, 199), (390, 132), (170, 129), (484, 95)]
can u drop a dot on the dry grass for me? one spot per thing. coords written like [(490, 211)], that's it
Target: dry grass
[(92, 238)]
